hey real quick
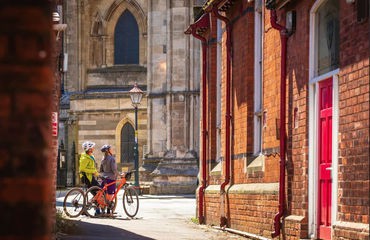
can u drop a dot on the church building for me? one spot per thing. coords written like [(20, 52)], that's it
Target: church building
[(109, 47)]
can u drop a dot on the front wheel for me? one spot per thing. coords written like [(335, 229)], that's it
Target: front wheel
[(130, 202), (74, 201)]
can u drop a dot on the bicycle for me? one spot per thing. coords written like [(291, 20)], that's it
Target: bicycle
[(74, 201), (96, 197)]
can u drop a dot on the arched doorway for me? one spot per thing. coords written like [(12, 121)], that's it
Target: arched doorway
[(127, 145)]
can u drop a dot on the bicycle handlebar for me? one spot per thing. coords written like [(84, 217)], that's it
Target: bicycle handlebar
[(126, 175)]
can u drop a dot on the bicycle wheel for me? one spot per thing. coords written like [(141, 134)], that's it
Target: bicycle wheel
[(130, 202), (95, 199), (74, 201)]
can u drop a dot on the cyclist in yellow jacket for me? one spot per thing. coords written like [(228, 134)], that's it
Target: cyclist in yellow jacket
[(88, 165), (88, 168)]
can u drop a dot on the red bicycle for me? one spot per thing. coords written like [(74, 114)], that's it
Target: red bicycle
[(96, 197)]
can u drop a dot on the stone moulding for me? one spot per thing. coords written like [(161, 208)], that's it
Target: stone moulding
[(358, 227), (250, 188)]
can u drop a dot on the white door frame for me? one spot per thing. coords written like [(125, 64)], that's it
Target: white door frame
[(313, 131)]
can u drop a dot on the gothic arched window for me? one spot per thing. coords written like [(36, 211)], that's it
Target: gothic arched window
[(127, 143), (126, 40)]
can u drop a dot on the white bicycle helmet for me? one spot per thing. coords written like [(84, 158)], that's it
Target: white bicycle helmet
[(87, 145), (105, 147)]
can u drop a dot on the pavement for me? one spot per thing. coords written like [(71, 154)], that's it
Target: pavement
[(160, 217)]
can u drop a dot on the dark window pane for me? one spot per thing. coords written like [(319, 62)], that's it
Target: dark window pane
[(126, 40), (127, 143)]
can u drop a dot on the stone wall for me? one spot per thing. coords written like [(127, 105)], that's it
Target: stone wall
[(173, 99), (168, 71), (98, 90)]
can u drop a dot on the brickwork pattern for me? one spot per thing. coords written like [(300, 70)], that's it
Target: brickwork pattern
[(244, 211), (271, 98), (253, 213), (295, 227), (271, 83), (27, 164), (212, 209), (297, 114), (353, 178), (350, 232), (353, 136), (242, 80)]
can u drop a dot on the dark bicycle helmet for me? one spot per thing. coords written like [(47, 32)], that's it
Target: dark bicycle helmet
[(105, 147)]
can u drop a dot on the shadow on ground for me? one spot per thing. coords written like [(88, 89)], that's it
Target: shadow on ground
[(93, 231)]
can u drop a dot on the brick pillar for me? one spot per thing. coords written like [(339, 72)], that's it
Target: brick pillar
[(27, 156)]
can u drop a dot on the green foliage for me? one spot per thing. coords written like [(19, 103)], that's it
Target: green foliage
[(195, 220)]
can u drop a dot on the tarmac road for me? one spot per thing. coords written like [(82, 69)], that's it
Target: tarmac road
[(159, 217)]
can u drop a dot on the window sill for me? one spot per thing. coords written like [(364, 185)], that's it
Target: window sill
[(256, 164)]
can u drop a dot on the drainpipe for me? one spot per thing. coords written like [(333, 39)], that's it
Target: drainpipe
[(202, 188), (204, 128), (223, 220), (283, 38)]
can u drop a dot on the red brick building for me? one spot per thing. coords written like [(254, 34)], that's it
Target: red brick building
[(27, 100), (30, 89), (285, 117)]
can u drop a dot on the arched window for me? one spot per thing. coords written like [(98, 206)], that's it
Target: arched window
[(126, 40), (127, 143)]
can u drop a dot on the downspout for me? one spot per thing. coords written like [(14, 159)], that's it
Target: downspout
[(223, 220), (283, 38), (202, 188), (204, 128)]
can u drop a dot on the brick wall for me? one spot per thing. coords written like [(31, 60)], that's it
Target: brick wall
[(212, 208), (295, 227), (353, 162), (242, 93), (252, 213), (271, 98), (350, 231), (27, 165), (253, 210)]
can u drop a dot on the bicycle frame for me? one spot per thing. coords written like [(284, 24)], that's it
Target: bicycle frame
[(122, 183), (96, 197)]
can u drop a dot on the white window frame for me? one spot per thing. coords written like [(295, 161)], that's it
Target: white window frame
[(218, 90), (258, 78), (314, 81)]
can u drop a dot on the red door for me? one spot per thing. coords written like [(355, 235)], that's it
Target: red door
[(325, 153)]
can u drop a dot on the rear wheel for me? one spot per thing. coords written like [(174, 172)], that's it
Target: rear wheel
[(74, 201), (130, 202), (95, 199)]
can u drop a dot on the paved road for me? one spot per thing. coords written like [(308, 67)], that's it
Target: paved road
[(159, 217)]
